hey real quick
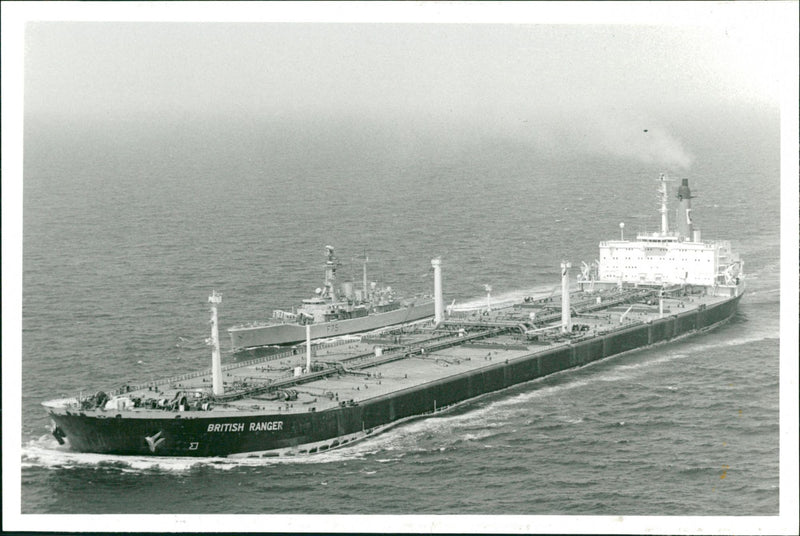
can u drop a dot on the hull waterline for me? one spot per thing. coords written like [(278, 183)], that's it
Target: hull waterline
[(265, 434)]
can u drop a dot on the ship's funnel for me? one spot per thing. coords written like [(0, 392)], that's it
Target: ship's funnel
[(438, 301), (566, 316), (683, 216), (216, 360)]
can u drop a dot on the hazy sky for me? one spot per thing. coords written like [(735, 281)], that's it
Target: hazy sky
[(522, 81), (458, 71)]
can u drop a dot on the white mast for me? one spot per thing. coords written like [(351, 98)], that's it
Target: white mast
[(366, 289), (216, 360), (438, 302), (566, 317), (488, 289), (308, 348), (664, 217)]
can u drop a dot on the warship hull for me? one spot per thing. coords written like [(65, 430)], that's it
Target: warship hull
[(266, 433), (277, 334)]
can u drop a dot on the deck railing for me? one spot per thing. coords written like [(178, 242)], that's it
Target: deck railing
[(229, 366)]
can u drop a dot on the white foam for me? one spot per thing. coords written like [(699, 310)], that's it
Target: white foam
[(667, 357), (477, 436), (569, 419), (58, 457), (46, 453)]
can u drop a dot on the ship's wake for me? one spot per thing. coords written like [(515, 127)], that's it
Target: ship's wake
[(504, 299), (46, 453)]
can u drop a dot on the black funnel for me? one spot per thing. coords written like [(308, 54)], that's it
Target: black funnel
[(683, 190)]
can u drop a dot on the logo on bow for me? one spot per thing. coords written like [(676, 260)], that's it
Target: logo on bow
[(154, 441)]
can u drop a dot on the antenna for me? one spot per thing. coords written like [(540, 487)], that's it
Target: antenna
[(450, 307), (366, 288)]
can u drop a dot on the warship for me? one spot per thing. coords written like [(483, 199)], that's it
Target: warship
[(332, 312), (657, 288)]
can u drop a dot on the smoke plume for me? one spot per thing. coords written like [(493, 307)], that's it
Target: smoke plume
[(638, 140)]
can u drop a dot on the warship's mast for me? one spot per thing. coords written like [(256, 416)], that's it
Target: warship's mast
[(330, 273)]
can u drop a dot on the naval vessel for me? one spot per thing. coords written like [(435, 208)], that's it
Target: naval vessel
[(653, 289), (331, 312)]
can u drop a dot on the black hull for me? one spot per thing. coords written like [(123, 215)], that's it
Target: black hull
[(217, 435)]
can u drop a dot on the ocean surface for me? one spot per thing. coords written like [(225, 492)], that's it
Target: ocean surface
[(128, 228)]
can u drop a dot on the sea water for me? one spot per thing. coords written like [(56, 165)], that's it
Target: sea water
[(128, 228)]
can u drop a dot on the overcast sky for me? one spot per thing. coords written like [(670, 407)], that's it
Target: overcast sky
[(459, 71), (500, 79)]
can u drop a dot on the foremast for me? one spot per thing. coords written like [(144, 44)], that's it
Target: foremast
[(330, 274)]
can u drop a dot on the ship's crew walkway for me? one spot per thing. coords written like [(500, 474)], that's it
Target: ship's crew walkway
[(486, 324)]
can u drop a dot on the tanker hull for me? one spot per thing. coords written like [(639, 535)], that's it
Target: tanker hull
[(264, 433)]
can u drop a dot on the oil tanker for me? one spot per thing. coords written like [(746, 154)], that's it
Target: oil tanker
[(651, 290), (332, 312)]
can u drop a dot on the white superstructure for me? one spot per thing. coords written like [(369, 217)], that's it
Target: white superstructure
[(676, 257)]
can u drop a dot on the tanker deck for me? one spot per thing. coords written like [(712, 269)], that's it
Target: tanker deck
[(354, 371), (277, 405)]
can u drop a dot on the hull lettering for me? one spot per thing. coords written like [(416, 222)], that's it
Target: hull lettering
[(264, 426)]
